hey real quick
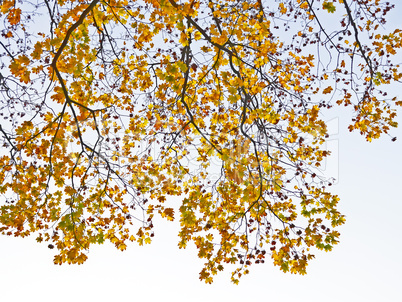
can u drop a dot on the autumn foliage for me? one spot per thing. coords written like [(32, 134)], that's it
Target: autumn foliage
[(110, 108)]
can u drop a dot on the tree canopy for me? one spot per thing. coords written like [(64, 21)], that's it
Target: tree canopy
[(109, 108)]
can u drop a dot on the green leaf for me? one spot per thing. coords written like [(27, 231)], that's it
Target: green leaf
[(329, 6)]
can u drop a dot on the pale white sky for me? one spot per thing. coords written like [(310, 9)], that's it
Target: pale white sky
[(365, 266)]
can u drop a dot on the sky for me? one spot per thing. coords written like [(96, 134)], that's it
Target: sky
[(365, 266)]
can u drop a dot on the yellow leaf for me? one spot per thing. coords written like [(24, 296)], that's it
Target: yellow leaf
[(327, 90), (14, 16)]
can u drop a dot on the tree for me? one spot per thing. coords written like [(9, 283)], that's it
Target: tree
[(110, 107)]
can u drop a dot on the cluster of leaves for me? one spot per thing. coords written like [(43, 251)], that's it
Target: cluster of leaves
[(120, 104)]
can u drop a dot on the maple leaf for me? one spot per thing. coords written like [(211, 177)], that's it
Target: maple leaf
[(327, 90), (14, 16), (6, 5), (329, 6)]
